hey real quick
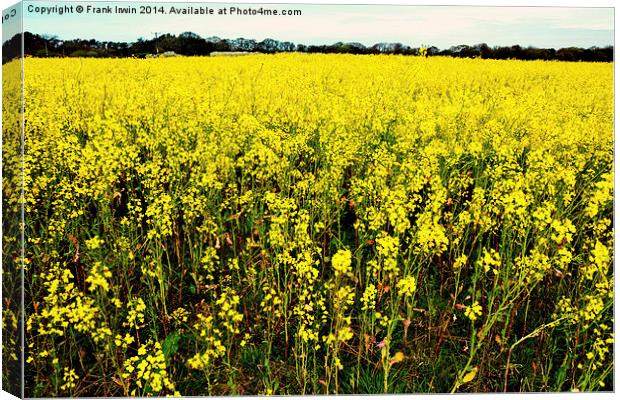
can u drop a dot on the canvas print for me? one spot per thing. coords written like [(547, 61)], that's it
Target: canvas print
[(301, 199)]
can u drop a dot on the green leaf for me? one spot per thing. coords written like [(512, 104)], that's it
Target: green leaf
[(170, 345)]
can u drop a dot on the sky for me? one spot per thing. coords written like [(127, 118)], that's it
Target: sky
[(441, 26)]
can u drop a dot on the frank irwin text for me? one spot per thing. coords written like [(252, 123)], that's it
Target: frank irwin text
[(154, 9)]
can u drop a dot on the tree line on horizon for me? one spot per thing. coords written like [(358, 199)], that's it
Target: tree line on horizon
[(191, 44)]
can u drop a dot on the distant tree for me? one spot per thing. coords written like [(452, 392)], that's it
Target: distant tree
[(484, 51), (268, 46), (432, 51), (191, 44), (12, 48)]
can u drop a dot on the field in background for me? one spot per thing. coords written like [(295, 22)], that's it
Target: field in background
[(314, 224)]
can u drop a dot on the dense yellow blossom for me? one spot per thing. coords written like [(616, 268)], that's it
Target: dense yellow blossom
[(406, 286), (297, 223), (341, 261)]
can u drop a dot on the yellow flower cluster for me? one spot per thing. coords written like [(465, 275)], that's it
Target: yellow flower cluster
[(490, 260), (228, 314), (98, 277), (369, 298), (69, 378), (474, 311), (149, 370), (135, 314), (341, 261), (407, 286), (212, 343)]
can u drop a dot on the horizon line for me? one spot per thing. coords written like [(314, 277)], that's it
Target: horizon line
[(299, 43)]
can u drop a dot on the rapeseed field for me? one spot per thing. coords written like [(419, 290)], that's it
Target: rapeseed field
[(312, 224)]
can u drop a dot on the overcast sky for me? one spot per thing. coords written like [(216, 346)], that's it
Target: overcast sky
[(441, 26)]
